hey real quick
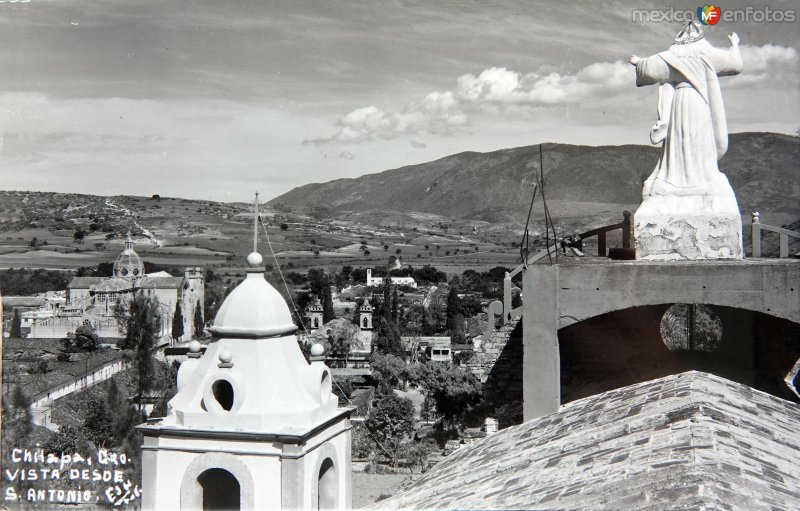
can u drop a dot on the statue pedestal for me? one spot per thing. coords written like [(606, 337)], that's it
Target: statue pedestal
[(695, 224), (698, 236)]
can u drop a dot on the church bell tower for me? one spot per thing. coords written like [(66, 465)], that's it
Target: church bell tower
[(253, 425)]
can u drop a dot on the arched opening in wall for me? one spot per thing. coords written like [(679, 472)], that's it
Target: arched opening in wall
[(223, 393), (220, 490), (692, 327), (638, 344), (365, 323), (316, 323), (327, 486)]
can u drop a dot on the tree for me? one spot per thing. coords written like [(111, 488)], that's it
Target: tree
[(317, 280), (452, 310), (86, 338), (357, 311), (199, 324), (346, 271), (387, 370), (284, 227), (18, 415), (98, 423), (327, 304), (417, 452), (392, 421), (387, 339), (141, 333), (79, 235), (429, 275), (177, 322), (386, 310), (16, 325), (395, 310), (453, 389)]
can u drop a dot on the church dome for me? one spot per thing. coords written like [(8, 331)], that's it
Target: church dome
[(128, 264), (253, 309)]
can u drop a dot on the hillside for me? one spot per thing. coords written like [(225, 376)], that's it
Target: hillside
[(496, 186)]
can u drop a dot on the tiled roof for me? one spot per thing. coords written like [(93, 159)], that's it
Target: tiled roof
[(63, 372), (86, 282), (118, 284), (9, 302), (687, 441), (16, 344), (35, 384), (161, 282)]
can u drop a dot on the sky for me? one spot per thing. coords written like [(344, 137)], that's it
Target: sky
[(219, 99)]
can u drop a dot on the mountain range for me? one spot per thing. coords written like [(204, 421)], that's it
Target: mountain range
[(579, 181)]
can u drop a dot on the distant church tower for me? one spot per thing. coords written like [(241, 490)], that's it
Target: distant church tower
[(365, 317), (365, 327), (128, 264), (253, 425), (314, 315)]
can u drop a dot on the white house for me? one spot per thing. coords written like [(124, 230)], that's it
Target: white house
[(399, 281)]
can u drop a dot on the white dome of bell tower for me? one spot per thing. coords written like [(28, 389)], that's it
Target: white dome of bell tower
[(252, 414)]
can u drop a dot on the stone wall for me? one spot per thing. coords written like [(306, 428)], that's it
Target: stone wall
[(498, 364)]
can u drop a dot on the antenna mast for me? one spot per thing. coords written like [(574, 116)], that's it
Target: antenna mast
[(255, 224)]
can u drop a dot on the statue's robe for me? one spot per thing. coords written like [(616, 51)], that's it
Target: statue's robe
[(696, 133)]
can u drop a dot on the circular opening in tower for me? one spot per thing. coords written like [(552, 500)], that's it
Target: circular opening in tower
[(691, 327), (223, 393)]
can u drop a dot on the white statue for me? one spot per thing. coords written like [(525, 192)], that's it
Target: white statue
[(686, 187)]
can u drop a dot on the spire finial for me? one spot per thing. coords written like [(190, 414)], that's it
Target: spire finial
[(254, 259)]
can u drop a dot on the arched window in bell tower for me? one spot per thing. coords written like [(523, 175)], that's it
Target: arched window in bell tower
[(220, 490), (328, 491), (366, 323)]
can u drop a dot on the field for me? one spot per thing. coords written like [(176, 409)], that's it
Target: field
[(39, 230)]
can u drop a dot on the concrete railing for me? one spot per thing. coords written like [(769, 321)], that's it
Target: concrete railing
[(505, 309), (757, 227), (601, 232)]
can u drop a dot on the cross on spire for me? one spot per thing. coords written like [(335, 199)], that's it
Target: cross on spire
[(255, 224)]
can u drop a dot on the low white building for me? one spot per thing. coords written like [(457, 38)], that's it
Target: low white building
[(399, 281)]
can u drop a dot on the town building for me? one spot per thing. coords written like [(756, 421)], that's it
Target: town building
[(66, 372), (397, 281), (433, 348), (95, 301), (253, 425)]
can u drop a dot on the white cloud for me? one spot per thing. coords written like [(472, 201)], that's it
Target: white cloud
[(767, 63), (608, 85), (499, 85), (443, 112), (346, 155), (437, 113)]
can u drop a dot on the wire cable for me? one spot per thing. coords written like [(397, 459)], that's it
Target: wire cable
[(523, 251), (302, 324)]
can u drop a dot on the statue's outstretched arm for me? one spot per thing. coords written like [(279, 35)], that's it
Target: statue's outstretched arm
[(728, 61), (650, 70)]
